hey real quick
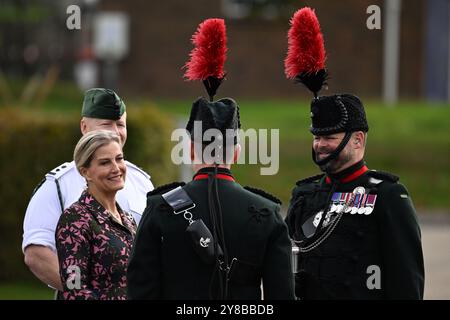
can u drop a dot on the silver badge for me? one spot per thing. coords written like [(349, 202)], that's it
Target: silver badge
[(368, 210), (205, 242), (359, 190), (333, 208), (317, 218)]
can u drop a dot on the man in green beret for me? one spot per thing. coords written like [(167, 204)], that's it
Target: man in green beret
[(102, 109)]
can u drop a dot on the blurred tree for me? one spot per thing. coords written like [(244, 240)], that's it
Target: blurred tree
[(263, 9), (34, 43)]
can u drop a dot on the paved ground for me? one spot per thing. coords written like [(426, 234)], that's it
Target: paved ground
[(436, 250)]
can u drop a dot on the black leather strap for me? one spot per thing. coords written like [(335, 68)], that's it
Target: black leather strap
[(178, 200)]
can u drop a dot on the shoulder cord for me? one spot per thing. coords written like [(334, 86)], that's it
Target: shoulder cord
[(214, 232), (221, 233), (217, 228)]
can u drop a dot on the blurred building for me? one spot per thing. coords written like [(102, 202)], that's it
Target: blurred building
[(159, 35), (160, 43)]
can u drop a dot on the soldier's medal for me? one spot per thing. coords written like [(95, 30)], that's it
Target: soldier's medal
[(334, 200), (352, 208), (358, 192), (340, 206), (370, 203), (348, 202), (362, 205)]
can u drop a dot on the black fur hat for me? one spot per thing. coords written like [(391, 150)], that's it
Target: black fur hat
[(222, 114), (337, 113)]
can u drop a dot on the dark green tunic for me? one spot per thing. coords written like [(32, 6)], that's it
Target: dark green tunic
[(385, 243), (164, 265)]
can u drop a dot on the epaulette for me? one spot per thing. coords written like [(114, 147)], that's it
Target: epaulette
[(164, 188), (263, 194), (310, 179), (58, 172), (382, 175), (135, 167)]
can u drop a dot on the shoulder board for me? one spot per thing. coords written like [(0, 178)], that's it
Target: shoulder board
[(135, 167), (58, 172), (310, 179), (165, 188), (382, 175), (263, 194)]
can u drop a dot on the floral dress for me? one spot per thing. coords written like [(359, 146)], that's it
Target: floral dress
[(93, 250)]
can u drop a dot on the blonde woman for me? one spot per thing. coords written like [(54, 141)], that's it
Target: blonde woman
[(94, 235)]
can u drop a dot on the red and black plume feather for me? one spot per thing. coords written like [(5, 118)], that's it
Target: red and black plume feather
[(207, 59), (305, 61)]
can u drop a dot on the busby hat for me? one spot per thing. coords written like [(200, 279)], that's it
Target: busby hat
[(207, 64), (305, 63), (222, 115), (337, 113), (102, 104)]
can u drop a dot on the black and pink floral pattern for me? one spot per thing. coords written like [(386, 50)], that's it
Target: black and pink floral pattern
[(89, 240)]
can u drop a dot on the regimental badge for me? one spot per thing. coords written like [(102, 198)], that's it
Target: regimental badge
[(317, 218)]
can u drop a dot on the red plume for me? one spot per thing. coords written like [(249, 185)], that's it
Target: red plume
[(208, 56), (306, 51)]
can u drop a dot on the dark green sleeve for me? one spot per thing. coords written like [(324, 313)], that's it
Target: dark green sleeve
[(144, 267), (290, 218), (402, 273), (278, 281)]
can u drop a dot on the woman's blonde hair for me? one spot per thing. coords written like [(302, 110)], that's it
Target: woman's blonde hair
[(89, 143)]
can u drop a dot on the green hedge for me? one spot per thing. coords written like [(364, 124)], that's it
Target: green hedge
[(32, 143)]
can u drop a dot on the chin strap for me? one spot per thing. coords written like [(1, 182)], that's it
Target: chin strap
[(335, 152)]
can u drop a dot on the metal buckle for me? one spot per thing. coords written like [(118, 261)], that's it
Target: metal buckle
[(185, 210), (186, 213)]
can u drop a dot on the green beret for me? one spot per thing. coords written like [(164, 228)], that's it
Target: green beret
[(102, 103)]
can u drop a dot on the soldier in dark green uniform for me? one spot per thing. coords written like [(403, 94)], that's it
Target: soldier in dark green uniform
[(356, 228), (211, 238), (244, 222)]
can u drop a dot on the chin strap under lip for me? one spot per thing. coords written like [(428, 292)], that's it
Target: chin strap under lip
[(335, 152)]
